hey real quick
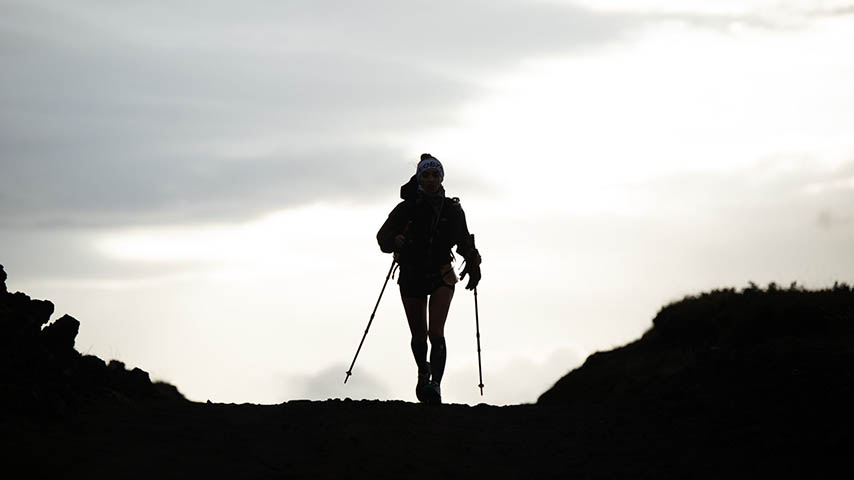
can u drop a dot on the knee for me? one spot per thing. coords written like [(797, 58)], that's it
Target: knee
[(437, 340), (420, 337)]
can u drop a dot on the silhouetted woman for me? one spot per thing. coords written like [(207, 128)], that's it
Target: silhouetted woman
[(421, 231)]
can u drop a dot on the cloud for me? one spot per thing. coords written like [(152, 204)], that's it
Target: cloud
[(118, 114), (102, 191), (790, 183), (724, 15), (827, 219), (68, 257), (832, 11)]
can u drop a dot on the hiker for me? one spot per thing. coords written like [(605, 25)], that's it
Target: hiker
[(421, 231)]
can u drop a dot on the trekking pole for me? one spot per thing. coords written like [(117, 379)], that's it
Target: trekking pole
[(350, 371), (477, 331), (390, 270)]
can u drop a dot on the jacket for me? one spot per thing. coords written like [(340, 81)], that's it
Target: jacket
[(429, 238)]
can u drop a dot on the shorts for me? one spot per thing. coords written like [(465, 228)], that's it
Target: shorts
[(419, 284)]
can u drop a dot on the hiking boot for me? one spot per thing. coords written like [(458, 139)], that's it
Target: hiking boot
[(423, 384), (432, 394)]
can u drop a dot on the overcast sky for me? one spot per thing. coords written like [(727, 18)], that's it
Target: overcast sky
[(201, 186)]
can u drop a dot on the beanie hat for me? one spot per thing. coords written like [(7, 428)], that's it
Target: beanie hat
[(429, 161)]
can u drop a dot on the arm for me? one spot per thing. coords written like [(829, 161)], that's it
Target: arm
[(393, 226), (466, 248), (464, 240)]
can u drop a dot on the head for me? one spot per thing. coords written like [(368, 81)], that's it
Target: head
[(430, 173)]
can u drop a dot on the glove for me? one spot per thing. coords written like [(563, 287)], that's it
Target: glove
[(472, 270), (474, 276)]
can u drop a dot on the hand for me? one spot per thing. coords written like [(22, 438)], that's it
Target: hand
[(399, 242), (473, 271)]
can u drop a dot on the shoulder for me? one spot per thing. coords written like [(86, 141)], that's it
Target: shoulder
[(409, 207), (400, 207), (454, 204)]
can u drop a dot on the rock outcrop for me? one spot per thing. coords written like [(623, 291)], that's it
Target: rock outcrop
[(773, 351), (42, 373)]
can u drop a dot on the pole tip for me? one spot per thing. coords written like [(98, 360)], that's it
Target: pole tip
[(347, 377)]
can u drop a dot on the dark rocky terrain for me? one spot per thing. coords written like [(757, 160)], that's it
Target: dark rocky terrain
[(755, 383), (43, 375)]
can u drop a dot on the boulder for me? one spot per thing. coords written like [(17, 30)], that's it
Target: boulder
[(58, 337)]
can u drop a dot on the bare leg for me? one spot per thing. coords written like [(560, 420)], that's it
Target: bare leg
[(440, 303), (416, 316)]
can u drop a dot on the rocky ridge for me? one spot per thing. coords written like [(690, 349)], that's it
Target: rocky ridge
[(42, 374), (758, 349), (728, 384)]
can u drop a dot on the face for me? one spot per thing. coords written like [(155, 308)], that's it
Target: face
[(430, 180)]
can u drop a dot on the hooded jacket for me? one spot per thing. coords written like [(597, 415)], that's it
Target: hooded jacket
[(432, 228)]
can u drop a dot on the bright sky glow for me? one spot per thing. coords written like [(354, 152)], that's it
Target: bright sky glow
[(659, 108), (777, 8)]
